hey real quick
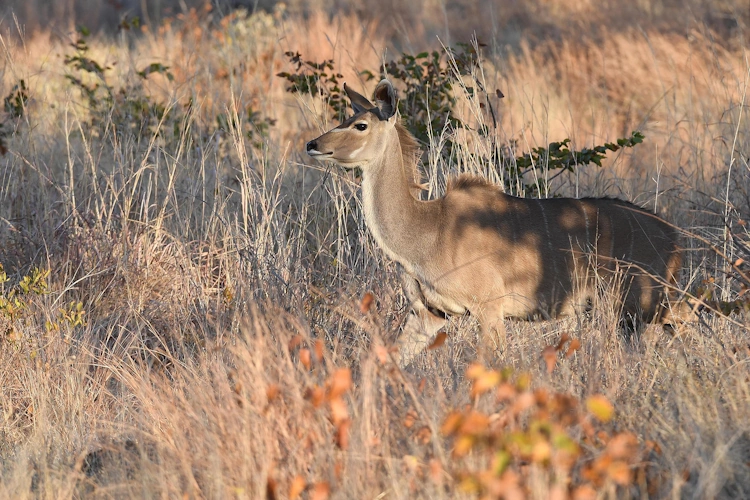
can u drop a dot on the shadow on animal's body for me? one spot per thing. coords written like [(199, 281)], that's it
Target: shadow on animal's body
[(496, 256)]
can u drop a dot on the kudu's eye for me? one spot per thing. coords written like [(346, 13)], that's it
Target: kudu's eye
[(361, 127)]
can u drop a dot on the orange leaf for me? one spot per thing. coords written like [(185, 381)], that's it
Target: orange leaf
[(304, 358), (549, 354), (603, 437), (339, 412), (475, 423), (382, 354), (272, 391), (320, 491), (338, 469), (410, 419), (439, 341), (619, 472), (653, 446), (506, 392), (509, 486), (575, 344), (342, 434), (523, 402), (558, 492), (436, 471), (295, 341), (319, 345), (541, 396), (296, 488), (366, 303), (340, 382), (424, 435), (623, 446), (563, 338), (600, 407), (451, 423), (585, 492), (316, 395)]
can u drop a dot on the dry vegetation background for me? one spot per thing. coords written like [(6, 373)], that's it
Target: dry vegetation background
[(201, 331)]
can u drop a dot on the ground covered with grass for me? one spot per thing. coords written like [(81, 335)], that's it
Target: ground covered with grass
[(190, 307)]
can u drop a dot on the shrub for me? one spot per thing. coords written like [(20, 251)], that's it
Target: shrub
[(427, 107)]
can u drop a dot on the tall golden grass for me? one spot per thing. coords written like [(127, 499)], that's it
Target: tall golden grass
[(225, 351)]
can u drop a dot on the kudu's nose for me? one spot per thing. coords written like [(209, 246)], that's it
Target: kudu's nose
[(312, 145)]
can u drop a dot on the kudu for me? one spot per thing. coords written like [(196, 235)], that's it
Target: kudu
[(481, 251)]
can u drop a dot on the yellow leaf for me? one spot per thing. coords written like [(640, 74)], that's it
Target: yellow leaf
[(464, 444), (486, 381), (600, 407), (541, 452), (474, 371)]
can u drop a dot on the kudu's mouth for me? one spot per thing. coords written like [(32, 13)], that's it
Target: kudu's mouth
[(312, 150), (319, 154)]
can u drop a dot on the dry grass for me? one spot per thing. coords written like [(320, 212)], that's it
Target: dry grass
[(221, 282)]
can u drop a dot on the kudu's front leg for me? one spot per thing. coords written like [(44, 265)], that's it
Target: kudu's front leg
[(421, 324)]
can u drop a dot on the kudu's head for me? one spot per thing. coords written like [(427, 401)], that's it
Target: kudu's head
[(364, 138)]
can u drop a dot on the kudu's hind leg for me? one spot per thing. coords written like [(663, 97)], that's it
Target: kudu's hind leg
[(421, 325)]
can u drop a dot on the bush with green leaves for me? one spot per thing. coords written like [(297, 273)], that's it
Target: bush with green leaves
[(427, 107), (129, 108), (14, 107)]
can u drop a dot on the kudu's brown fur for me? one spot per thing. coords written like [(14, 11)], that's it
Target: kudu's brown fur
[(481, 251)]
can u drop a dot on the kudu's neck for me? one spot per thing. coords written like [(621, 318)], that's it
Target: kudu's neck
[(404, 227)]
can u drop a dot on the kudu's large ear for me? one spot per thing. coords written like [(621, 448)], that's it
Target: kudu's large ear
[(359, 102), (385, 98)]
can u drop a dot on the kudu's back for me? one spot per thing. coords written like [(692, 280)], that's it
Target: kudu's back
[(546, 257)]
